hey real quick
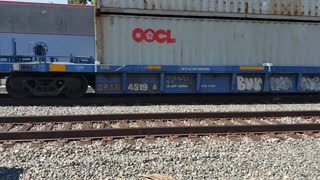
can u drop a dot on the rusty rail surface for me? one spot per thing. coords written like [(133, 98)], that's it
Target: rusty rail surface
[(158, 131), (144, 116)]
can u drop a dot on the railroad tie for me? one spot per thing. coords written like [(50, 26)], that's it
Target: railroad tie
[(242, 122), (85, 141), (105, 124), (177, 122), (209, 122), (141, 123), (123, 124), (293, 135), (254, 137), (6, 127), (227, 122), (87, 125), (26, 127), (150, 139), (194, 122), (67, 126), (7, 144), (259, 121), (36, 143), (107, 140), (274, 121), (48, 127), (160, 123)]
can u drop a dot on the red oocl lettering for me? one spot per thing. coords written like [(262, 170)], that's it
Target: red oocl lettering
[(150, 35), (161, 36), (138, 35)]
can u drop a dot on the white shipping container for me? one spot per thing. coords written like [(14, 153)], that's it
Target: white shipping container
[(265, 7), (123, 40)]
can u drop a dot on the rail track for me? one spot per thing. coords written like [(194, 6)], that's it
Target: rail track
[(174, 125)]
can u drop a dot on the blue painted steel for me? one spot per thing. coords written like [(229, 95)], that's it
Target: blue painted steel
[(47, 59), (198, 80), (124, 83), (172, 69), (266, 83), (77, 68), (108, 83), (44, 67), (143, 83), (162, 82), (5, 67), (215, 83), (180, 83), (43, 59), (211, 79), (113, 79)]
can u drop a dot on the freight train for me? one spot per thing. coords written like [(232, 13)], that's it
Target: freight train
[(182, 46)]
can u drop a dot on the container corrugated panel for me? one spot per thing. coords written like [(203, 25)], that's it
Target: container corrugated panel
[(190, 41), (266, 7)]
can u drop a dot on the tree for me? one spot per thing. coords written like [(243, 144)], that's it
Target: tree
[(84, 2), (93, 2)]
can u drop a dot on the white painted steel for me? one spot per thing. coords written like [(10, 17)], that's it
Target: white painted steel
[(209, 42), (272, 7)]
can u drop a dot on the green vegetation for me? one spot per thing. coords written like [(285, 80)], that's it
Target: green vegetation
[(84, 2)]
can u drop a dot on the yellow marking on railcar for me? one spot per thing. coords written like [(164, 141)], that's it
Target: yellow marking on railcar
[(260, 68), (57, 67), (154, 67)]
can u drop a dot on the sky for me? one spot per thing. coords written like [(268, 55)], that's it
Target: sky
[(43, 1)]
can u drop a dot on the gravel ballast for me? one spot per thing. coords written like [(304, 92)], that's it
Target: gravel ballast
[(186, 159), (70, 110), (211, 159)]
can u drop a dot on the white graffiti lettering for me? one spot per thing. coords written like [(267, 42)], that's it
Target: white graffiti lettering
[(280, 83), (249, 83), (310, 83)]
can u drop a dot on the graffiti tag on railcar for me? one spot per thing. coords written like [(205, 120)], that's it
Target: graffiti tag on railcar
[(149, 35), (310, 83), (280, 83), (249, 83)]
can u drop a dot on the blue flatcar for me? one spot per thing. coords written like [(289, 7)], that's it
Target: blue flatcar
[(156, 46)]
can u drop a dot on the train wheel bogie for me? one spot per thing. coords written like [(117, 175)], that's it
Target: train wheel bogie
[(16, 87), (75, 87), (46, 85)]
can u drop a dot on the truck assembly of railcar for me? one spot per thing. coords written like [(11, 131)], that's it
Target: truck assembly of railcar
[(184, 46)]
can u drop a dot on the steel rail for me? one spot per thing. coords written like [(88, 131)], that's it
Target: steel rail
[(157, 131), (145, 116)]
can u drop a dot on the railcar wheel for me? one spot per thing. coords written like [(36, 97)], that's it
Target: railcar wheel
[(76, 87), (16, 87)]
